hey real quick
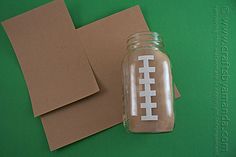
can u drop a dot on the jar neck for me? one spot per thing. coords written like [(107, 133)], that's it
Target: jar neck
[(145, 40)]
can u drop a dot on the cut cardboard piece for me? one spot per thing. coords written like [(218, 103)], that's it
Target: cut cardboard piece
[(55, 67), (105, 45)]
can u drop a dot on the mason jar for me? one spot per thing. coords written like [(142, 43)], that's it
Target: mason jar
[(147, 84)]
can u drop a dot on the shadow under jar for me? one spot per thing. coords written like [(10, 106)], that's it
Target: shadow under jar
[(147, 83)]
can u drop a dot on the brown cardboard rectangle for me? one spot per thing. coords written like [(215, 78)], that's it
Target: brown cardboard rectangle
[(105, 45), (55, 67)]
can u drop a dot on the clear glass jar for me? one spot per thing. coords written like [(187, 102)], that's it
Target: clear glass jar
[(147, 81)]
